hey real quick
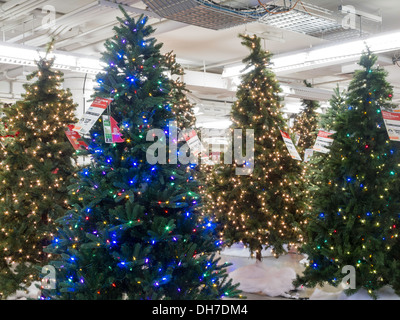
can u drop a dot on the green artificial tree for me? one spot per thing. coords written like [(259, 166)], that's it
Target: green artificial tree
[(306, 124), (326, 122), (37, 163), (356, 199), (337, 103), (182, 108), (263, 209), (136, 231), (5, 135), (305, 129)]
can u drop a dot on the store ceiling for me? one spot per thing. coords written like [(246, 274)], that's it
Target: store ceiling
[(82, 26)]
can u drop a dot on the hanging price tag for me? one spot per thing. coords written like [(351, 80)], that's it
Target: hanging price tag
[(90, 117), (323, 142), (74, 138), (107, 129), (193, 141), (116, 134), (290, 146), (308, 154), (297, 138), (392, 123)]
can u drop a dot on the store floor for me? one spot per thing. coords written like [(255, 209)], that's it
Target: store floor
[(290, 260)]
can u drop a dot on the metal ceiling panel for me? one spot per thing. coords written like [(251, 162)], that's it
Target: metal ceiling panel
[(200, 13)]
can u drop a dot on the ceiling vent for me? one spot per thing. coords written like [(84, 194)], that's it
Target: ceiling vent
[(200, 13)]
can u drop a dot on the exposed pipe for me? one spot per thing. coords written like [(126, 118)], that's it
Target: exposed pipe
[(64, 28), (107, 3), (10, 4), (76, 38), (5, 27), (78, 19), (21, 9), (58, 20), (160, 27)]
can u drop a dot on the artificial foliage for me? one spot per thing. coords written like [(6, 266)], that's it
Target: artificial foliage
[(356, 198), (263, 209), (181, 107), (306, 124), (136, 231), (36, 165), (5, 135), (327, 120)]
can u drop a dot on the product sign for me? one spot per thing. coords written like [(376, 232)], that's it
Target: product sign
[(107, 129), (116, 134), (297, 138), (74, 138), (90, 117), (308, 153), (193, 141), (324, 141), (392, 123), (290, 146)]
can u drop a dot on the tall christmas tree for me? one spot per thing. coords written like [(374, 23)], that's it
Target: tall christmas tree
[(306, 123), (355, 215), (263, 209), (33, 175), (135, 231)]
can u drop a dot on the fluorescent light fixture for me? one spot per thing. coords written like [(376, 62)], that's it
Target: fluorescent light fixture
[(221, 124), (26, 56), (337, 53), (235, 71), (88, 64), (326, 55)]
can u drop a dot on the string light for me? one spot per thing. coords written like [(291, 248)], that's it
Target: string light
[(241, 202), (144, 219), (31, 188)]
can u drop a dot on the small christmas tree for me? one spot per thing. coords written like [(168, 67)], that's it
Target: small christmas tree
[(182, 108), (305, 124), (37, 165), (337, 103), (135, 231), (326, 121), (263, 209), (356, 202)]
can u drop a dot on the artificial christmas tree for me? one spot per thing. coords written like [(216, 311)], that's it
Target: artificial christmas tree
[(305, 124), (36, 166), (135, 231), (5, 136), (182, 108), (337, 103), (263, 209), (356, 201)]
